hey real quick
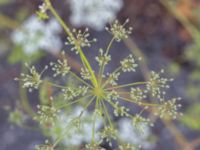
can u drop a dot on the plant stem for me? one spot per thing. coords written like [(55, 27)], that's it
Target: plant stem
[(126, 85), (69, 33)]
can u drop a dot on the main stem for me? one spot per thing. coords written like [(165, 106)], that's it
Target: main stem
[(69, 33)]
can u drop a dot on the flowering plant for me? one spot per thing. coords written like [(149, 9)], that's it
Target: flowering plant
[(99, 90)]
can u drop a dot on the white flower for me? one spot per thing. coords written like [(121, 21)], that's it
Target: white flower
[(94, 13), (35, 34), (129, 134)]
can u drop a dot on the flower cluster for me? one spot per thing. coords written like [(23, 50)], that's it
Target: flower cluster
[(85, 74), (79, 40), (139, 122), (157, 84), (46, 115), (121, 110), (119, 31), (32, 80), (109, 134), (103, 58), (61, 67), (169, 109), (137, 94), (128, 64), (113, 78), (98, 90)]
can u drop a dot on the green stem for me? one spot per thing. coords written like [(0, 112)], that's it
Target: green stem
[(139, 103), (108, 80), (102, 67), (93, 123), (81, 80), (106, 112), (73, 102), (67, 30), (126, 85), (24, 99)]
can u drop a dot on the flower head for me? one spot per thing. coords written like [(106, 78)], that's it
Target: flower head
[(119, 31), (169, 109), (69, 93), (157, 84), (85, 74), (46, 115), (128, 64), (139, 122), (137, 94), (32, 80), (109, 133), (103, 58), (61, 67), (79, 40)]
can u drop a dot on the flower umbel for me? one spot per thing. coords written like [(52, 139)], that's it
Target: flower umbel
[(119, 31), (46, 115), (61, 67), (169, 109), (79, 40), (96, 91), (128, 64), (32, 80)]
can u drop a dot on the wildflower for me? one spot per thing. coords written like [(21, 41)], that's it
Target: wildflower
[(157, 84), (102, 59), (46, 115), (98, 89), (128, 64), (113, 78), (112, 95), (79, 40), (61, 67), (82, 90), (169, 109), (137, 94), (119, 31), (85, 74), (32, 80), (109, 133), (94, 13), (69, 93), (139, 122), (120, 110)]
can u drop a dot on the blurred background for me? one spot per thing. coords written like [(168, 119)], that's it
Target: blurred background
[(166, 34)]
